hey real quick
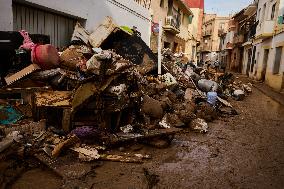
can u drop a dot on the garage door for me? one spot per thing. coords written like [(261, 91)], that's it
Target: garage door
[(38, 21)]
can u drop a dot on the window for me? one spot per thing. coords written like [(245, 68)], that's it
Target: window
[(263, 12), (277, 60), (258, 15), (162, 3), (167, 45), (273, 11), (170, 7), (222, 25), (193, 53), (190, 18)]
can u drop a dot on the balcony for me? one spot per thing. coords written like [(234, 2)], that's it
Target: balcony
[(250, 10), (238, 39), (265, 29), (199, 48), (229, 46), (207, 33), (172, 25), (205, 48), (144, 3), (231, 25), (221, 32)]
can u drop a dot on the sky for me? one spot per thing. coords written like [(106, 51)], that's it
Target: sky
[(225, 7)]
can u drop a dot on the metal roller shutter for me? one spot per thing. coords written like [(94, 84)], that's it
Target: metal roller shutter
[(38, 21)]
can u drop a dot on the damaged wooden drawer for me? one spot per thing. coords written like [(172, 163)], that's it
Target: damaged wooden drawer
[(53, 99), (57, 100)]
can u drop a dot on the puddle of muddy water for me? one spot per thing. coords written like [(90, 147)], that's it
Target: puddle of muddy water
[(275, 107)]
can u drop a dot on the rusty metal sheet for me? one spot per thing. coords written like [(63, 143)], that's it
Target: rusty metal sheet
[(53, 99)]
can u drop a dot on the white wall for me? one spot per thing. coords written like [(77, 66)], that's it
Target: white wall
[(6, 15), (124, 12), (136, 15), (272, 44), (278, 39)]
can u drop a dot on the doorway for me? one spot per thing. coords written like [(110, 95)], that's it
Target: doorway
[(248, 61), (264, 67), (176, 49), (167, 45), (240, 66), (253, 62)]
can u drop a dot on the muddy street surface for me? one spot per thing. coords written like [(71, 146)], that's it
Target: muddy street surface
[(244, 151)]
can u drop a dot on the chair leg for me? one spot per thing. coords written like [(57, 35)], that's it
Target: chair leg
[(66, 120)]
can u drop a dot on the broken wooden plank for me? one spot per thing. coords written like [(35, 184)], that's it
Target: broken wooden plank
[(53, 99), (123, 138), (80, 33), (67, 143), (67, 120), (83, 94), (102, 32), (224, 102), (22, 73), (121, 158), (92, 153)]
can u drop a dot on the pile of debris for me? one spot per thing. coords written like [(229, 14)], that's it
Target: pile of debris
[(103, 90)]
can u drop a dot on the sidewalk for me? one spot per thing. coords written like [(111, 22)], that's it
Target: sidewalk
[(268, 91)]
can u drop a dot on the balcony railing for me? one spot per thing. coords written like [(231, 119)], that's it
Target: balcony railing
[(265, 29), (238, 39), (229, 46), (207, 32), (144, 3), (221, 32), (232, 24), (172, 25), (205, 47)]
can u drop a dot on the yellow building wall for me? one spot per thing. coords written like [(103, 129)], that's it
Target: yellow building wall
[(273, 80), (183, 38)]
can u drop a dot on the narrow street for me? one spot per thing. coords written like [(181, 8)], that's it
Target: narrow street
[(244, 151), (141, 94)]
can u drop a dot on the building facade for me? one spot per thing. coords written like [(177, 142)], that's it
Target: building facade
[(176, 18), (248, 30), (268, 61), (210, 45), (195, 28), (57, 18), (226, 43), (236, 45)]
